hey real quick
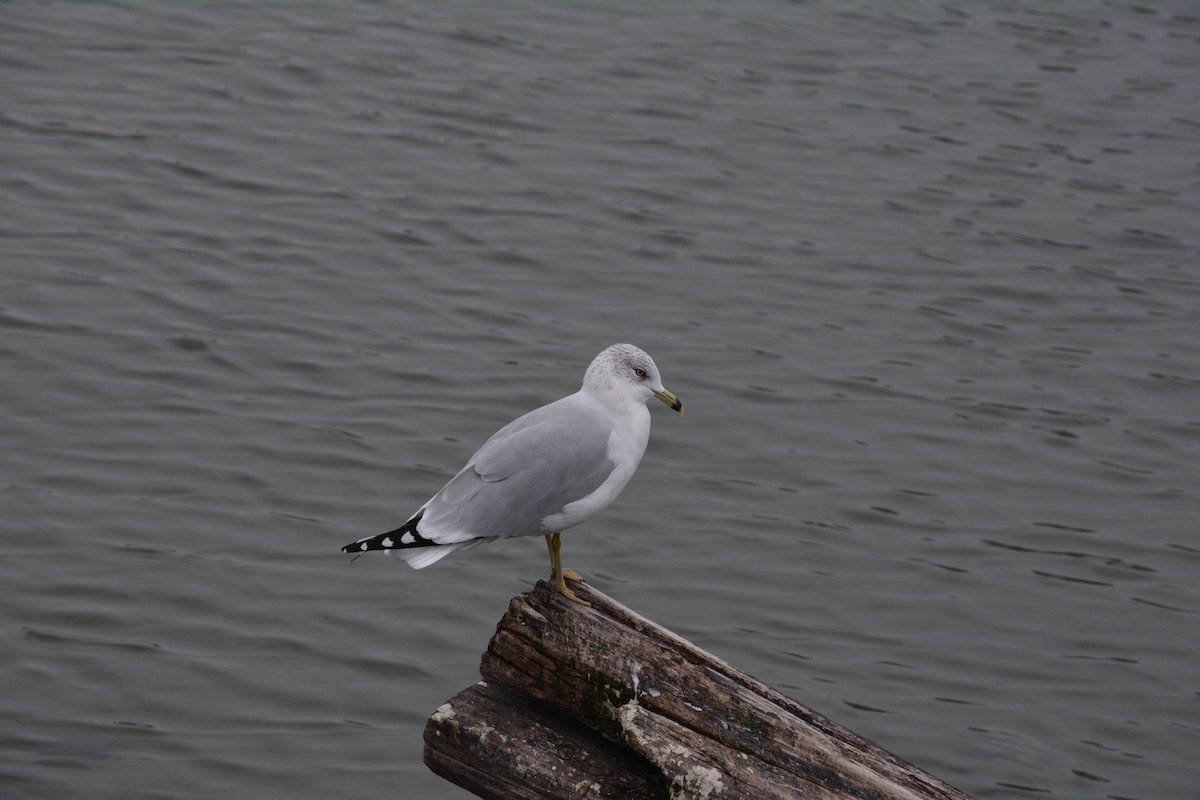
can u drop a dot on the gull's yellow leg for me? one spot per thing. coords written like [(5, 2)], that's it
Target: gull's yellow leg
[(554, 565), (568, 574), (554, 544)]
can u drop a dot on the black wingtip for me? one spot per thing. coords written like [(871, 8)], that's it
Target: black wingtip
[(403, 537)]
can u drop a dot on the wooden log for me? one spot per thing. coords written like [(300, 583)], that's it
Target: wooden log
[(601, 702)]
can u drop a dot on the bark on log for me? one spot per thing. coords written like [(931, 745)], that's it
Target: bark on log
[(601, 702)]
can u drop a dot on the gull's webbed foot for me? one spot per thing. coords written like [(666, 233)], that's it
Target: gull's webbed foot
[(567, 593), (557, 573)]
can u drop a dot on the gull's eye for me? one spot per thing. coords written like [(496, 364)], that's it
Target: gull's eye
[(641, 373)]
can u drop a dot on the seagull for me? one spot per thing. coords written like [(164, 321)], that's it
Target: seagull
[(542, 473)]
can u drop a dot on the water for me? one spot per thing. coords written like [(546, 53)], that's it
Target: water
[(924, 275)]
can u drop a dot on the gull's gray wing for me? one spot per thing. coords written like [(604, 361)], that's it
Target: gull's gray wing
[(528, 470)]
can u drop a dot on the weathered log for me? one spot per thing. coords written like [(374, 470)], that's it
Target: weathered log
[(601, 702)]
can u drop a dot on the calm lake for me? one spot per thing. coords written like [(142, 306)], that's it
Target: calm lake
[(924, 275)]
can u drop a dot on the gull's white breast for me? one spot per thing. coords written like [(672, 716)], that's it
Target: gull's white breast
[(626, 445)]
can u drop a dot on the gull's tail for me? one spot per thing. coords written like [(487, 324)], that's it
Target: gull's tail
[(408, 544)]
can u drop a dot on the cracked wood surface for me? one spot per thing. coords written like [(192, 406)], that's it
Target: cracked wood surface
[(601, 702)]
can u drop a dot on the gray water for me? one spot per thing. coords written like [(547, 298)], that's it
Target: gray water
[(924, 275)]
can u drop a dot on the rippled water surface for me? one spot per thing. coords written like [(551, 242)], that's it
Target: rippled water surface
[(924, 274)]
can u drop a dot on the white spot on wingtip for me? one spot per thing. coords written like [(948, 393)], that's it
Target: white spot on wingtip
[(364, 546), (387, 542), (407, 538)]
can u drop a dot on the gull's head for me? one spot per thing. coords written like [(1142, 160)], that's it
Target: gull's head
[(625, 371)]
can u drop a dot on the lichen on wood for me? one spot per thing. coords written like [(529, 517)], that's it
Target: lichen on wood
[(601, 702)]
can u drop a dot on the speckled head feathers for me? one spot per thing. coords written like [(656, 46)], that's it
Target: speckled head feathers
[(625, 370), (620, 364)]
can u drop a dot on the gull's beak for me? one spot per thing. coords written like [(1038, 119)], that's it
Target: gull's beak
[(670, 400)]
